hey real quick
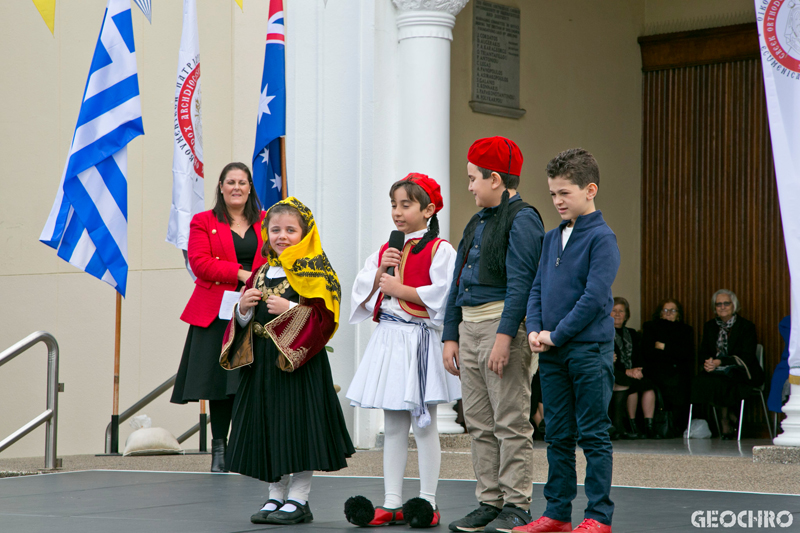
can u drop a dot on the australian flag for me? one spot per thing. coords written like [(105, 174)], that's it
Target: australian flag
[(271, 112)]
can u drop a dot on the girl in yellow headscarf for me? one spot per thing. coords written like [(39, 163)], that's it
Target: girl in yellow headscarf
[(287, 421)]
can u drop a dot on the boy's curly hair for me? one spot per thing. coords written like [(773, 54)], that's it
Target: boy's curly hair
[(575, 165)]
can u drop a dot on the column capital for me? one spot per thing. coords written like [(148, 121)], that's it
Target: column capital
[(427, 18), (453, 7)]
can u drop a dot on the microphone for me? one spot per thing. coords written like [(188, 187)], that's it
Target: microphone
[(396, 240)]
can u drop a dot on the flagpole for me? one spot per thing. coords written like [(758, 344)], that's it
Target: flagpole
[(203, 447), (284, 192), (283, 168), (115, 406)]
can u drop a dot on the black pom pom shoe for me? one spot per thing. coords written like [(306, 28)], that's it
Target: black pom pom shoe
[(360, 512), (419, 513)]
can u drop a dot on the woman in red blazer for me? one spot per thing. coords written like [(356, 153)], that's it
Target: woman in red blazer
[(224, 247)]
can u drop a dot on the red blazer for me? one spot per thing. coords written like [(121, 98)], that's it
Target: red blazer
[(213, 260)]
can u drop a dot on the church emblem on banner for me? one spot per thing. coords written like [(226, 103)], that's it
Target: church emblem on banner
[(188, 127), (779, 22)]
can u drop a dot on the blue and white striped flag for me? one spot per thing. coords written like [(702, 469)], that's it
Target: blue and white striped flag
[(88, 223), (146, 8)]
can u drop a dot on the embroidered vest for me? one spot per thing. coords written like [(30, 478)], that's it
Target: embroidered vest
[(415, 271)]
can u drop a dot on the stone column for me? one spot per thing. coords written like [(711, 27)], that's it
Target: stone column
[(424, 37), (791, 424), (425, 31)]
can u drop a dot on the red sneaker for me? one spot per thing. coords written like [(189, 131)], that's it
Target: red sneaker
[(387, 517), (545, 525), (592, 526)]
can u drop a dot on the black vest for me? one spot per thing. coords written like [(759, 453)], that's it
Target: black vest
[(491, 231)]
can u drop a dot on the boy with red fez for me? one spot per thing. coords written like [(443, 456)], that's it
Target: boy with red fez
[(484, 335), (569, 322)]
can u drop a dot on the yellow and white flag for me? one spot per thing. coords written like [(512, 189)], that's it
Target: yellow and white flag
[(47, 9)]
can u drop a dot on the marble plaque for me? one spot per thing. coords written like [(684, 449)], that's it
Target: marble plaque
[(495, 58)]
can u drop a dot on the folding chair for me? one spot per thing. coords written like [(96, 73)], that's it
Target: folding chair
[(754, 390)]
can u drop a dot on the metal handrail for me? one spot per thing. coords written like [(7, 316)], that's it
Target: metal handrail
[(191, 431), (133, 409), (50, 416)]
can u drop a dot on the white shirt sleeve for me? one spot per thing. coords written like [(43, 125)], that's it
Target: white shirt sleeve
[(360, 307), (434, 296), (244, 319)]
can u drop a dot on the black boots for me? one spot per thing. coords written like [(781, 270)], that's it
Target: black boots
[(218, 455), (619, 409), (634, 433), (650, 430)]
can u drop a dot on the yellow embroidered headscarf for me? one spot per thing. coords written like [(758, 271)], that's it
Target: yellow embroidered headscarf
[(307, 267)]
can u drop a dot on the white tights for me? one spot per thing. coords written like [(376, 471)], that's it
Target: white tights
[(395, 455), (297, 490)]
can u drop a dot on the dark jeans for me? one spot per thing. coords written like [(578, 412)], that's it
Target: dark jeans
[(577, 380)]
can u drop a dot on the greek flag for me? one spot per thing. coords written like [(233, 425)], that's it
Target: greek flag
[(146, 8), (88, 223)]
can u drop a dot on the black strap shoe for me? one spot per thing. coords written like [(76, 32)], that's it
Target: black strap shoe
[(261, 516), (301, 515)]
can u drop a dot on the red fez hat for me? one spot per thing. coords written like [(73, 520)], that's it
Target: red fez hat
[(497, 154), (430, 186)]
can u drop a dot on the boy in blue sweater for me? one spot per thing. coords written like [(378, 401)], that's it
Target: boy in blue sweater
[(569, 323)]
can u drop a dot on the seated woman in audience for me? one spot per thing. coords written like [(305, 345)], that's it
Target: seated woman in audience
[(728, 354), (629, 381), (668, 354)]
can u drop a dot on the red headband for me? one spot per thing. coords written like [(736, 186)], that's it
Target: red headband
[(497, 154), (430, 186)]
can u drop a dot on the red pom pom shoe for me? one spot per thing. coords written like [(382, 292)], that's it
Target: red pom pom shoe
[(387, 517)]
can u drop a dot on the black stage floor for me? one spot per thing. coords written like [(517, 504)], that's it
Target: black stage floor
[(175, 502)]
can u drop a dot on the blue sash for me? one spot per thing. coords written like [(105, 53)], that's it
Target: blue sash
[(420, 412)]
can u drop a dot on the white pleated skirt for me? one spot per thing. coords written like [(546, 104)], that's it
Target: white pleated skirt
[(387, 377)]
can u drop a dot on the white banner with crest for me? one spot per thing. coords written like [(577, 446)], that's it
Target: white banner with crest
[(187, 157), (779, 34)]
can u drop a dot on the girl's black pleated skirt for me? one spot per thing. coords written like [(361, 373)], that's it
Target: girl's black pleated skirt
[(199, 375), (285, 422)]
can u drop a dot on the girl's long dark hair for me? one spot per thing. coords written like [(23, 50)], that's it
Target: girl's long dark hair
[(418, 194), (252, 209)]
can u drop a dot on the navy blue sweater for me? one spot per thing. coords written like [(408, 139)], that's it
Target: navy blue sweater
[(571, 295)]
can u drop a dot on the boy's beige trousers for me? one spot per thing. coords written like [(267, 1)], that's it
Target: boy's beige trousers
[(497, 414)]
